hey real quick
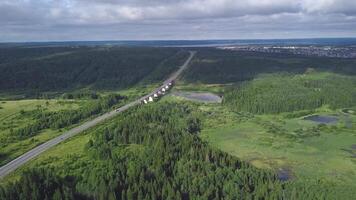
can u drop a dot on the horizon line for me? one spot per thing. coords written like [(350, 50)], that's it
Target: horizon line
[(168, 40)]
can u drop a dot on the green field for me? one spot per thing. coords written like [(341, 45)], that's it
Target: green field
[(199, 87), (18, 114), (330, 155), (56, 157)]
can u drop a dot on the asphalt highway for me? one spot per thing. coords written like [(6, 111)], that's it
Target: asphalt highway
[(24, 158)]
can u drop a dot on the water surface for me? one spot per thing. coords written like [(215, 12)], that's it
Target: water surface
[(322, 119), (199, 96)]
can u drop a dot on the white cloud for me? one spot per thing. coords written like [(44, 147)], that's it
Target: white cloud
[(208, 18), (347, 7)]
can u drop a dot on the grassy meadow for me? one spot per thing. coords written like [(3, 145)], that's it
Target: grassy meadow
[(59, 156), (326, 156), (19, 113)]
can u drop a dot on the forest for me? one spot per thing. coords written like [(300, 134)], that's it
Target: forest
[(167, 160), (73, 68), (221, 66), (13, 54), (276, 93)]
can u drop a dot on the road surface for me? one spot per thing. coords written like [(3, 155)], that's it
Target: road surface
[(21, 160)]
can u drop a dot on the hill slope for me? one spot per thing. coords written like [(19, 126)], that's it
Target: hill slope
[(98, 67), (223, 66)]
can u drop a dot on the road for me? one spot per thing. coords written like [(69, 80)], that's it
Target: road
[(21, 160)]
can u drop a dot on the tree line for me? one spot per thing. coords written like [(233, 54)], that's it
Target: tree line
[(81, 95)]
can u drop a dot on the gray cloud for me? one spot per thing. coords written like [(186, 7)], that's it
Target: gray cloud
[(23, 20)]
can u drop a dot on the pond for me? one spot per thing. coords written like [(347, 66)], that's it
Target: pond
[(322, 119), (353, 147), (284, 174), (199, 96)]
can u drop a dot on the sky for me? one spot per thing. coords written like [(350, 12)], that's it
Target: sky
[(79, 20)]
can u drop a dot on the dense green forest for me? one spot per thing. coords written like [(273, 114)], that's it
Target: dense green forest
[(223, 66), (154, 152), (284, 93), (168, 66), (26, 53), (96, 67)]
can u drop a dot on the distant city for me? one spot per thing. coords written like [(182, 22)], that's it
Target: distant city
[(319, 51)]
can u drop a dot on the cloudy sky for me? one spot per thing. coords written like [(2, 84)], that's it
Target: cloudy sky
[(60, 20)]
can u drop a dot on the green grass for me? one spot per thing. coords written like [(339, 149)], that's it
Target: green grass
[(214, 88), (11, 108), (56, 156), (11, 118), (312, 157), (69, 152)]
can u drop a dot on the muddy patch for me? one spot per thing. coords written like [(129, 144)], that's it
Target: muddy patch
[(199, 96)]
